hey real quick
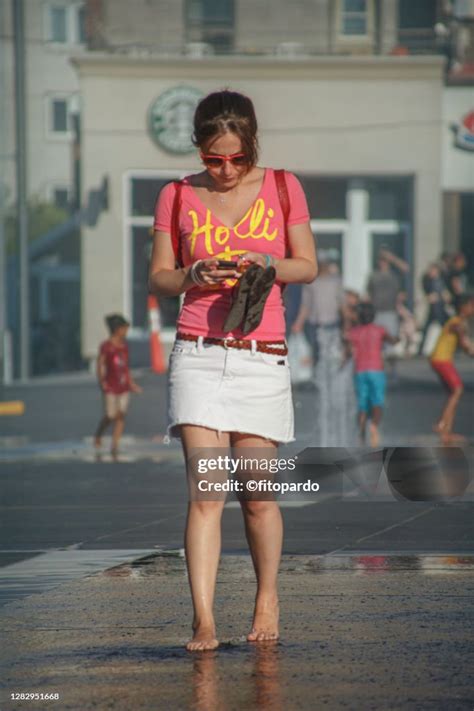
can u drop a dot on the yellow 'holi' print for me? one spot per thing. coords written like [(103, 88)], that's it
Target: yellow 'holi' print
[(215, 237)]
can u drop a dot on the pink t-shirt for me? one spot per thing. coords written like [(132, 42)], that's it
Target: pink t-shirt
[(203, 236), (367, 343)]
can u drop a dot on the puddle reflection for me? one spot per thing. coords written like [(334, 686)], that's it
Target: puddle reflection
[(375, 563), (258, 683), (206, 692)]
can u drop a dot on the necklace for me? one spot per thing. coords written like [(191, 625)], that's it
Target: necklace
[(222, 195)]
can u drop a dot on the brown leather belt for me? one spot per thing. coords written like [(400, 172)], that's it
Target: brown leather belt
[(271, 347)]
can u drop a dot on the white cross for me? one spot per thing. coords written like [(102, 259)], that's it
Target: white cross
[(356, 231)]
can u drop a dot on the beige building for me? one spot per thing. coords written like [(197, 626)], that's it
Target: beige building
[(458, 169), (368, 101), (250, 27), (362, 132), (54, 29)]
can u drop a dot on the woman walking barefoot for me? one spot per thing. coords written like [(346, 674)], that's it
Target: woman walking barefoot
[(229, 379)]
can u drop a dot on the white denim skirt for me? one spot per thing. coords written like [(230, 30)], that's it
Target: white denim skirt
[(230, 390)]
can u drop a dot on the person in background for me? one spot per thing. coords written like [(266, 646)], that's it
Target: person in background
[(320, 310), (452, 337), (456, 280), (438, 298), (115, 381), (408, 324), (321, 315), (349, 310), (383, 288), (366, 342), (292, 301), (445, 263)]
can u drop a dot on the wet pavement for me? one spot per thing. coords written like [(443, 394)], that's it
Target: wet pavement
[(376, 596), (74, 407), (357, 632)]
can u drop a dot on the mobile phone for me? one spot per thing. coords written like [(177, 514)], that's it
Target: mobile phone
[(223, 264)]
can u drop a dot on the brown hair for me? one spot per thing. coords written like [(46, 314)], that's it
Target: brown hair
[(223, 112)]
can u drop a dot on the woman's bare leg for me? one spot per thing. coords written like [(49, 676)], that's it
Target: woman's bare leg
[(264, 531), (202, 540)]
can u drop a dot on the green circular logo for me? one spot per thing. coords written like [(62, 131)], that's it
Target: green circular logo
[(171, 119)]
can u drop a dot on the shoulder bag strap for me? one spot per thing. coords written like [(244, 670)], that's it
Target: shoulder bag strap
[(284, 199), (175, 240)]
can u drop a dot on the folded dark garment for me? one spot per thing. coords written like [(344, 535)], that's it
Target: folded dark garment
[(240, 296), (259, 291)]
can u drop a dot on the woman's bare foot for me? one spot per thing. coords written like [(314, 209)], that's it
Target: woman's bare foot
[(265, 621), (204, 638)]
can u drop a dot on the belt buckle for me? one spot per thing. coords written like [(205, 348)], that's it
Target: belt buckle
[(225, 342)]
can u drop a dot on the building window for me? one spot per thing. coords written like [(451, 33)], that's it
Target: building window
[(58, 194), (354, 20), (211, 22), (58, 26), (59, 116), (416, 22), (140, 194), (66, 23), (61, 198), (81, 24)]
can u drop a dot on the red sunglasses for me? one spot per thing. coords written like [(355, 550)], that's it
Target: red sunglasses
[(214, 160)]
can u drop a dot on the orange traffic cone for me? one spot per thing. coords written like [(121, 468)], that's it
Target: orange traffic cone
[(157, 356)]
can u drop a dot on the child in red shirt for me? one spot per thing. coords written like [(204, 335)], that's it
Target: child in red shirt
[(366, 341), (115, 381)]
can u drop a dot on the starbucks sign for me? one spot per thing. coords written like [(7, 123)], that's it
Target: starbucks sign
[(171, 119)]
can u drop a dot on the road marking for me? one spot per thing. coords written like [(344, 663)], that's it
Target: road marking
[(382, 530), (174, 517)]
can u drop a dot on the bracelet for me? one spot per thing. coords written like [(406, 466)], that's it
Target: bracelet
[(269, 261), (194, 275)]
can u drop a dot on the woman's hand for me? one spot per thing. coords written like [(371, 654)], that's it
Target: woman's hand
[(262, 260), (207, 272)]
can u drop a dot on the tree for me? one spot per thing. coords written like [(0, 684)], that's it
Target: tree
[(42, 216)]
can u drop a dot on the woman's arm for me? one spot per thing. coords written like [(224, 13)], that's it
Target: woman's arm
[(166, 280), (302, 266), (163, 278)]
